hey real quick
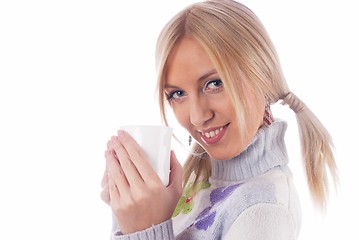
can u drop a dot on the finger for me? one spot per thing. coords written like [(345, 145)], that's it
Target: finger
[(104, 177), (132, 175), (109, 144), (105, 194), (116, 172), (138, 157), (104, 180), (114, 193)]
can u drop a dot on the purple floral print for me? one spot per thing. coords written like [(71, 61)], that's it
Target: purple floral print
[(206, 218)]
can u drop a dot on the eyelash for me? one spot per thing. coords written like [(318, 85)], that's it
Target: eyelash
[(219, 85), (218, 88), (172, 93)]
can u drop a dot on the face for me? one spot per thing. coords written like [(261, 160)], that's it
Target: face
[(201, 105)]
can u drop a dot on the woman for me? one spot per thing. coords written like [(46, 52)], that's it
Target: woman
[(219, 73)]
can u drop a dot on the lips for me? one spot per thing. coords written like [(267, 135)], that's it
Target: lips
[(213, 135)]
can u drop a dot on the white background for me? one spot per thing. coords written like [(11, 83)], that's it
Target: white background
[(72, 72)]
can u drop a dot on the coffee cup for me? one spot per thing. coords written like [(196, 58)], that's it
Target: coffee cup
[(155, 141)]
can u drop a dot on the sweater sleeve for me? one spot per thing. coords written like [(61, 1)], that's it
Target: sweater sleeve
[(163, 230), (264, 221)]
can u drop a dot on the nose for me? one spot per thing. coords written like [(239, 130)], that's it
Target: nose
[(200, 111)]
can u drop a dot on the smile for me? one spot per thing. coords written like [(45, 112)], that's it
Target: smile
[(213, 135)]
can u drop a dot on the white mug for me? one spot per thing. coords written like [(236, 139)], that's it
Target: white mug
[(155, 140)]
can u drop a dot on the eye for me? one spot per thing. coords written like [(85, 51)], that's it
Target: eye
[(176, 95), (213, 86)]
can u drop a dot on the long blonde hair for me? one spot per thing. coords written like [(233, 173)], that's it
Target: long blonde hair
[(240, 48)]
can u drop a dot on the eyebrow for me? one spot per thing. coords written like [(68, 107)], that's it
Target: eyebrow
[(201, 78)]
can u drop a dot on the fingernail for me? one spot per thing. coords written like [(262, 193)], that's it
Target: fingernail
[(113, 139), (120, 133)]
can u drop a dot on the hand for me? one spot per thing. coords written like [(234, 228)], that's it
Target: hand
[(105, 193), (138, 197)]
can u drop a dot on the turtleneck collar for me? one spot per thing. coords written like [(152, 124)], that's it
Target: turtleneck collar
[(266, 151)]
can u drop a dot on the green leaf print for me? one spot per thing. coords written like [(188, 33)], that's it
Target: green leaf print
[(185, 203)]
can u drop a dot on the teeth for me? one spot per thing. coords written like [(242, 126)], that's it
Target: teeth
[(212, 133)]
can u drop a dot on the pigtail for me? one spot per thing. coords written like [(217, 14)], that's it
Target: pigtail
[(317, 150), (197, 163)]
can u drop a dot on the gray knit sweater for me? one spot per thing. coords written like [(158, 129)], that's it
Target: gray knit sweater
[(249, 197)]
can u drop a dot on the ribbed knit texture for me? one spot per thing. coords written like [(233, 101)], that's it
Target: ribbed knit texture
[(266, 151), (161, 231)]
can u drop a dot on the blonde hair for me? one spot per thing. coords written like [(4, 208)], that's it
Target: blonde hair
[(240, 48)]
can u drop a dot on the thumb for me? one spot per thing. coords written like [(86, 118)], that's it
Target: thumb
[(175, 182)]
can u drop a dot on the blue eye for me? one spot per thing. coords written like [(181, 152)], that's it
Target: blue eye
[(213, 86), (175, 95)]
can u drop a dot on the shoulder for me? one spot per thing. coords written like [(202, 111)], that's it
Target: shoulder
[(271, 196), (264, 221), (275, 186), (272, 191)]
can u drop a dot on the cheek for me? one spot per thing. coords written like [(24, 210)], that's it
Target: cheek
[(225, 106), (181, 114)]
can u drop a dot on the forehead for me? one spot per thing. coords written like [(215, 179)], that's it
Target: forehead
[(188, 62)]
